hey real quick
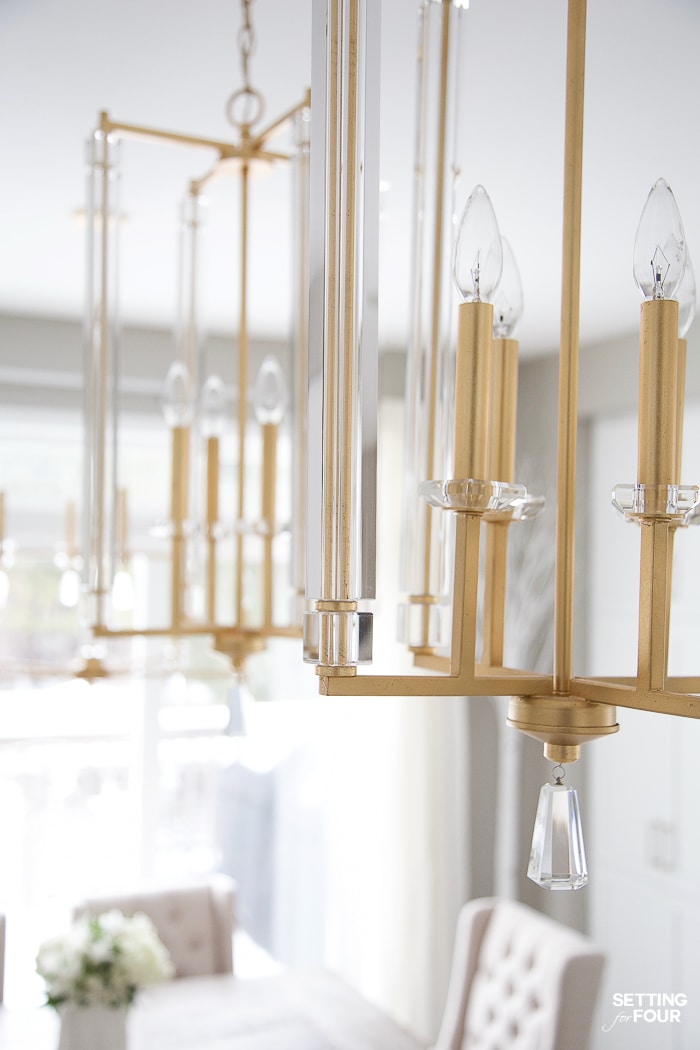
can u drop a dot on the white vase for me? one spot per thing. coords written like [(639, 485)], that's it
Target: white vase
[(92, 1027)]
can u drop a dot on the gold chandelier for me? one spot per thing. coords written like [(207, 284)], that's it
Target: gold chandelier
[(194, 408), (462, 421)]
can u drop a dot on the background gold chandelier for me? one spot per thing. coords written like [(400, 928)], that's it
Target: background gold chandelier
[(194, 406), (560, 710)]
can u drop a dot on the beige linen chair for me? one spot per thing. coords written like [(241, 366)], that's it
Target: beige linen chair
[(195, 922), (519, 981)]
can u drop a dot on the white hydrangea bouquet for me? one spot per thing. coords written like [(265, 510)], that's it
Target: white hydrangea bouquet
[(103, 961)]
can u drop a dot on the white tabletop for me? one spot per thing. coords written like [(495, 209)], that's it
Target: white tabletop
[(292, 1011)]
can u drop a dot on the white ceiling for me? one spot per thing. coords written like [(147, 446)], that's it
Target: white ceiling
[(173, 64)]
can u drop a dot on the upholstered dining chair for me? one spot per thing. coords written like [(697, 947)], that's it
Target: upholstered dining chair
[(519, 981), (195, 922)]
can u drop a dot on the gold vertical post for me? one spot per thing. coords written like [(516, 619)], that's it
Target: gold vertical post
[(680, 413), (269, 486), (657, 469), (569, 355), (465, 594), (178, 516), (680, 405), (658, 396), (212, 521), (431, 465), (501, 467), (242, 393), (472, 375)]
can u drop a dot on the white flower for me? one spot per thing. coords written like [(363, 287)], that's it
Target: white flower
[(103, 961)]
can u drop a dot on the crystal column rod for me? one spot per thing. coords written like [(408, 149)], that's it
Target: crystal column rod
[(301, 355), (242, 395), (100, 322), (343, 361), (429, 381)]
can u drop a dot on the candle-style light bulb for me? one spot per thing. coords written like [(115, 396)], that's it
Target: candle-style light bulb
[(478, 252), (212, 405), (659, 247), (686, 295), (4, 588), (508, 298), (270, 394), (178, 399)]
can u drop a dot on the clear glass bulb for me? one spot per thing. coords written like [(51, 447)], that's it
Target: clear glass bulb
[(178, 398), (659, 247), (122, 591), (69, 588), (270, 395), (557, 854), (478, 251), (508, 299), (686, 295), (212, 404)]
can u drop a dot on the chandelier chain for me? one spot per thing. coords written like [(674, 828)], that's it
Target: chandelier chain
[(245, 107), (246, 43)]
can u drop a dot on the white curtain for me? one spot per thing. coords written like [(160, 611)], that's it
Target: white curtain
[(396, 810)]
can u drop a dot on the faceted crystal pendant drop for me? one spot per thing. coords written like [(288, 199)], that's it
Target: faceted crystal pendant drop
[(557, 854)]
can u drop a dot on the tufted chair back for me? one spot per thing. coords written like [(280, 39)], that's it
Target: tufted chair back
[(519, 981), (194, 922)]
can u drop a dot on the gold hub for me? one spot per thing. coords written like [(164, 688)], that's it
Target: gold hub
[(561, 722)]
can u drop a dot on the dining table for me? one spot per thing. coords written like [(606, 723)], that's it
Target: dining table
[(293, 1010)]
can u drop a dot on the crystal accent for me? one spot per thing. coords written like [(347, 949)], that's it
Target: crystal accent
[(557, 854), (471, 494), (349, 637), (526, 509), (637, 501)]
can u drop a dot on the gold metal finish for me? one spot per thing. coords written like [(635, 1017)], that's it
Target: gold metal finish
[(561, 711), (269, 489), (569, 351), (212, 522), (564, 721), (472, 390), (235, 638), (178, 516), (501, 466), (658, 395), (434, 358), (562, 753)]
